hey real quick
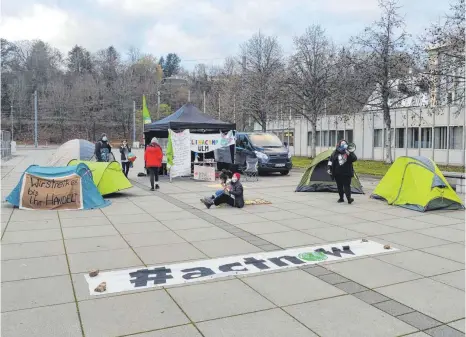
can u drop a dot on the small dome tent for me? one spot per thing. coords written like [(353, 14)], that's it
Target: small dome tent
[(418, 184), (74, 149), (316, 178), (107, 176), (57, 188)]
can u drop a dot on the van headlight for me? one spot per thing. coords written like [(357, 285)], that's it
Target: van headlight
[(289, 155), (261, 156)]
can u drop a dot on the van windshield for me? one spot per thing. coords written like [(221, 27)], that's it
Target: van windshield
[(265, 140)]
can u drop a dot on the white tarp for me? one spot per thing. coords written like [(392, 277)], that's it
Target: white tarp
[(165, 275), (202, 143), (181, 154)]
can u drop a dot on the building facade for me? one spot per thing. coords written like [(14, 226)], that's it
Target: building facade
[(415, 132)]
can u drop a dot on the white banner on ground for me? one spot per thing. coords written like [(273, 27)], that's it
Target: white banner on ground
[(166, 275), (181, 154), (202, 143), (205, 173)]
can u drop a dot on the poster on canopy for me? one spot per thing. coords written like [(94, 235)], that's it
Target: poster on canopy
[(202, 143), (179, 155)]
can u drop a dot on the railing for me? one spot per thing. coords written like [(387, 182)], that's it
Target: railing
[(6, 144)]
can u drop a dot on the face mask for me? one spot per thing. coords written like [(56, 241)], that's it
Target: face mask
[(104, 139), (124, 143), (234, 179)]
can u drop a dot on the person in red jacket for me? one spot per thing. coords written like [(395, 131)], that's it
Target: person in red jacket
[(153, 156)]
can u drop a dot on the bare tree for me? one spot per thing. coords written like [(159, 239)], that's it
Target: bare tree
[(264, 72), (310, 74), (382, 61)]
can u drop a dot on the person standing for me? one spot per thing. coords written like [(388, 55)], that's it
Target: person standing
[(233, 195), (153, 156), (103, 149), (340, 167), (124, 151)]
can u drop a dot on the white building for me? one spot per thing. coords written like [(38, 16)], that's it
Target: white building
[(415, 132)]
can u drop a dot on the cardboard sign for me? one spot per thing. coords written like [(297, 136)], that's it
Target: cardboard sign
[(62, 193), (205, 173), (202, 143), (196, 271)]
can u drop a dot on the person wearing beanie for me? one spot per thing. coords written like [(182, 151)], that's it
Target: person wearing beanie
[(233, 194), (153, 156), (103, 149)]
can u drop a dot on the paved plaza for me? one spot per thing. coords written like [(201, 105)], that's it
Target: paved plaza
[(417, 290)]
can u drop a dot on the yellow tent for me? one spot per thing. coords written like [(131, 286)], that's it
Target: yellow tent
[(416, 183), (107, 176)]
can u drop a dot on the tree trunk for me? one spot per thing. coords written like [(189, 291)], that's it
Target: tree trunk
[(388, 140), (313, 139)]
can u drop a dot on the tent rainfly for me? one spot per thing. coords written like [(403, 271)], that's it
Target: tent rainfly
[(418, 184), (316, 178), (107, 176), (74, 149)]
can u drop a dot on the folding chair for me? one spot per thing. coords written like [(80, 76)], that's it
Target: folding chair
[(251, 171)]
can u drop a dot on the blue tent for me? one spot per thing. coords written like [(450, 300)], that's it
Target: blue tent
[(80, 149), (90, 196)]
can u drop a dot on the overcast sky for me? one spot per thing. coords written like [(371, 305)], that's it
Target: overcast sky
[(199, 31)]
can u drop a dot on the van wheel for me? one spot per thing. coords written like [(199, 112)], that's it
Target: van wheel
[(284, 173)]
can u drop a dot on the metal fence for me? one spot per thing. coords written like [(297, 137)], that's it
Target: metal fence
[(6, 144)]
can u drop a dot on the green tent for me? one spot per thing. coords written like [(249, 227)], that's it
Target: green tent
[(107, 176), (416, 183), (316, 178)]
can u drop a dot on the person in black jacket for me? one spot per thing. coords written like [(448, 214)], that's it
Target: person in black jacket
[(124, 151), (340, 167), (233, 195), (103, 149)]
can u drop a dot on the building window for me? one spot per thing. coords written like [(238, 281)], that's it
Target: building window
[(333, 135), (288, 137), (349, 136), (400, 138), (440, 137), (426, 138), (340, 135), (378, 138), (309, 138), (318, 135), (325, 140), (413, 138), (392, 132), (456, 137)]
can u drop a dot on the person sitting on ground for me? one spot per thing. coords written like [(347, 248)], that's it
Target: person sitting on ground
[(153, 156), (233, 194), (225, 178), (103, 149), (340, 167)]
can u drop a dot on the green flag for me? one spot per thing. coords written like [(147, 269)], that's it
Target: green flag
[(145, 111), (169, 150)]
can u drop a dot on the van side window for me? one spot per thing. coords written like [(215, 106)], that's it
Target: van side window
[(239, 139)]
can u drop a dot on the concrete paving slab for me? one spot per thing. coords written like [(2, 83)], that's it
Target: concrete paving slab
[(371, 297), (413, 240), (406, 223), (438, 219), (165, 217), (264, 227), (374, 216), (56, 320), (103, 260), (291, 239), (444, 233), (225, 247), (84, 222), (170, 253), (31, 236), (268, 323), (444, 331), (432, 298), (218, 299), (203, 234), (338, 219), (305, 287), (371, 272), (37, 267), (280, 215), (152, 238), (304, 223), (90, 213), (333, 234), (458, 325), (179, 331), (116, 209), (26, 294), (256, 209), (419, 320), (372, 228), (347, 322), (14, 226), (32, 249), (88, 232), (130, 218), (422, 263), (94, 244), (394, 308), (240, 218), (129, 314), (454, 279), (137, 228), (23, 215)]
